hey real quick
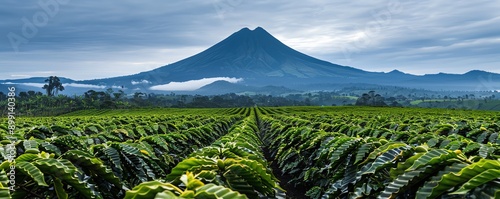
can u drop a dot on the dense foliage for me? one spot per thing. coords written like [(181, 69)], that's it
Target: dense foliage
[(388, 153), (330, 152)]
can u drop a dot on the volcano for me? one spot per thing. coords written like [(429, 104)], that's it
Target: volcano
[(252, 55), (253, 59)]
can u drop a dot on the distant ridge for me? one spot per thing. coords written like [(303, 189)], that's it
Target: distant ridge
[(262, 60)]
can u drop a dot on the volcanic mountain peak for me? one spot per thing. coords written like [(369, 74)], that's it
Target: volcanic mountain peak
[(258, 30), (259, 59), (246, 41), (252, 54)]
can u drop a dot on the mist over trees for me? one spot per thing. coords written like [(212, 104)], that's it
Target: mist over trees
[(35, 103)]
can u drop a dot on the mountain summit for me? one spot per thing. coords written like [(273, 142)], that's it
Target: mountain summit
[(254, 55), (259, 59), (254, 60)]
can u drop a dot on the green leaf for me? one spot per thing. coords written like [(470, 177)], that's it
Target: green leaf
[(5, 193), (402, 182), (27, 157), (486, 150), (166, 195), (66, 171), (94, 166), (59, 187), (190, 181), (478, 180), (343, 150), (4, 185), (150, 190), (114, 158), (449, 180), (402, 166), (253, 173), (382, 149), (194, 165), (385, 159), (32, 171), (488, 190), (218, 192), (30, 144), (432, 157), (363, 151)]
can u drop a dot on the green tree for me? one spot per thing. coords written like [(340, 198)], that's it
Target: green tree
[(53, 85), (370, 99)]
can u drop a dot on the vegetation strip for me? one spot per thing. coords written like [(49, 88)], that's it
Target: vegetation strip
[(235, 161), (103, 157), (354, 152), (354, 155)]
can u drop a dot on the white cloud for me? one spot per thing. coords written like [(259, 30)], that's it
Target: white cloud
[(140, 82), (192, 85), (20, 76), (76, 85), (40, 85), (118, 87)]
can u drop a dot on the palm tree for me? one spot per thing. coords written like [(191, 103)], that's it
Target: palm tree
[(53, 85)]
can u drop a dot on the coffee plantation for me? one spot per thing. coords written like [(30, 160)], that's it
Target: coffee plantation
[(259, 152)]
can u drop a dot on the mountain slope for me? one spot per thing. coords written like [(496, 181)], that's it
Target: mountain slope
[(254, 55), (262, 60)]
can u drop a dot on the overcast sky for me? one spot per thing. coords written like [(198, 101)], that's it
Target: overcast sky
[(96, 39)]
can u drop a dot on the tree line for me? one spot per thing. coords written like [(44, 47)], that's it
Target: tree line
[(31, 103)]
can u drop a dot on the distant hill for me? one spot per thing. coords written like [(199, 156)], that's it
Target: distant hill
[(222, 87), (260, 60)]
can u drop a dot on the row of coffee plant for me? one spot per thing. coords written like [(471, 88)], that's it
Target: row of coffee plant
[(232, 167), (392, 153), (103, 156)]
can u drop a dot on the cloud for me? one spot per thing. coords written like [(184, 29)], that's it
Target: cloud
[(76, 85), (141, 82), (192, 85), (39, 85), (119, 87)]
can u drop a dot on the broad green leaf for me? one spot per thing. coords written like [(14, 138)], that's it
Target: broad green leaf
[(194, 165), (218, 192), (66, 171), (59, 187), (382, 149), (27, 157), (432, 157), (4, 185), (402, 182), (150, 190), (93, 165), (479, 180), (453, 179), (385, 159), (32, 171)]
